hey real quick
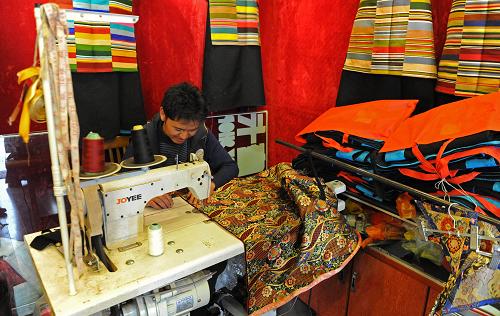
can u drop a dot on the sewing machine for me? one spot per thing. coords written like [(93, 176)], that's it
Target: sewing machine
[(116, 215), (115, 205)]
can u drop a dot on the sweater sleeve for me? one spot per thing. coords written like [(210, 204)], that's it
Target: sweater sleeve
[(223, 167)]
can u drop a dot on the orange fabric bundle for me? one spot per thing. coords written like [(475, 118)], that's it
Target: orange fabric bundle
[(372, 120), (404, 206), (382, 231), (453, 120)]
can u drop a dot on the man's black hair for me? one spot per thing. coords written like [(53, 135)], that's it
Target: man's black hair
[(184, 101)]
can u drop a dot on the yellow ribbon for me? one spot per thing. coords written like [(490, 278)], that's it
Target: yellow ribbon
[(32, 101)]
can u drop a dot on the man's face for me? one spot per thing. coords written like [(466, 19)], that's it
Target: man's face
[(178, 130)]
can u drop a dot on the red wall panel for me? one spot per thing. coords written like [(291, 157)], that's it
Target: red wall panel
[(170, 38), (17, 39), (303, 46)]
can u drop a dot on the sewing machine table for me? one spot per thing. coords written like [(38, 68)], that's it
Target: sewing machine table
[(203, 244)]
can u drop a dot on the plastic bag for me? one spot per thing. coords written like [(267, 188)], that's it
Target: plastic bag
[(235, 267)]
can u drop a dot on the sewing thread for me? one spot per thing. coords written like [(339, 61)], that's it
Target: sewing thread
[(155, 240), (93, 153), (143, 153)]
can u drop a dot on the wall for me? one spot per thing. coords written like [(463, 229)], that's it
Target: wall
[(303, 48), (17, 37)]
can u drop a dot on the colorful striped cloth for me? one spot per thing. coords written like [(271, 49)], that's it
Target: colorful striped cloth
[(102, 47), (234, 22), (470, 64), (393, 37)]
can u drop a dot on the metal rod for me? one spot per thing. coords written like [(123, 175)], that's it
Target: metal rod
[(360, 200), (88, 16), (387, 181), (446, 232)]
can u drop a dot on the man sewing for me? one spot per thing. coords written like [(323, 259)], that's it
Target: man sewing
[(178, 130)]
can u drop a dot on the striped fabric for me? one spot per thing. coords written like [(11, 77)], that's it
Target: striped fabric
[(234, 22), (93, 47), (102, 47), (393, 37), (91, 5), (120, 7), (470, 64)]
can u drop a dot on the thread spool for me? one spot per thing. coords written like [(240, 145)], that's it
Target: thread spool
[(155, 240), (143, 153), (93, 153)]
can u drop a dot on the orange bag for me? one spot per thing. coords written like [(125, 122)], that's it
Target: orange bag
[(453, 120), (382, 231), (373, 120), (404, 206)]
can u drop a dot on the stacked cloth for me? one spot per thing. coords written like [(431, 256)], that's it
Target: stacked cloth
[(294, 237), (452, 151), (353, 134)]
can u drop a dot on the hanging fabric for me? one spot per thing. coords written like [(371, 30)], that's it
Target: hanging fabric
[(234, 22), (469, 64), (232, 67), (102, 46), (393, 38), (390, 54), (106, 80)]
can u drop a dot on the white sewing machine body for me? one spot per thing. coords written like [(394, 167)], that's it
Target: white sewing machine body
[(123, 198)]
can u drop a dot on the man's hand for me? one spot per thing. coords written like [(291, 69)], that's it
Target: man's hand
[(191, 199), (161, 201)]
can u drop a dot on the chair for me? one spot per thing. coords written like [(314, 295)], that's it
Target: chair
[(114, 149)]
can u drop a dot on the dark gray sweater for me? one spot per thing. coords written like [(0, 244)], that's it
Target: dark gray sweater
[(222, 166)]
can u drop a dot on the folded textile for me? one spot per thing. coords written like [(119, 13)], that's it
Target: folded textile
[(446, 122), (293, 238), (373, 121), (482, 139), (452, 147)]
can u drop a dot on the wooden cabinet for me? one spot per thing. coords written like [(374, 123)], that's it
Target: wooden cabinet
[(380, 289), (431, 298), (375, 284), (330, 297)]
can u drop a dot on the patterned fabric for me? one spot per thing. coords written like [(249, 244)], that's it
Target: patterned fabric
[(478, 285), (393, 37), (472, 283), (293, 239), (457, 247), (470, 65), (98, 46), (234, 22)]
